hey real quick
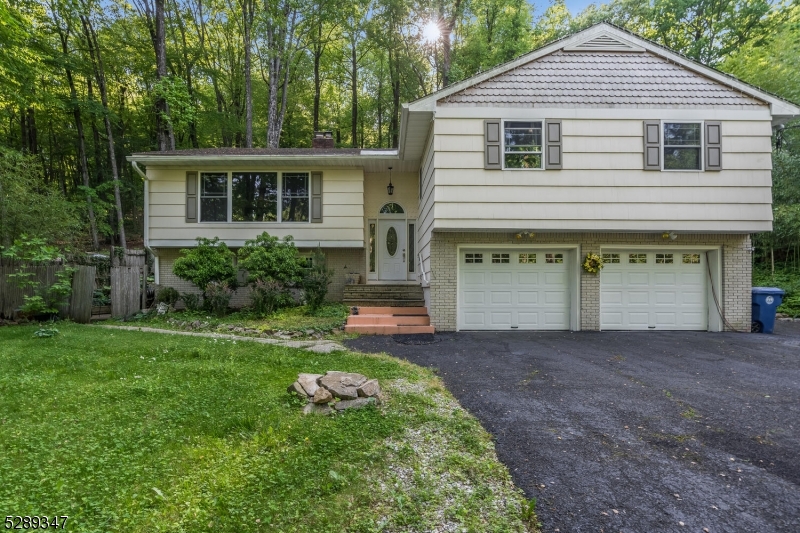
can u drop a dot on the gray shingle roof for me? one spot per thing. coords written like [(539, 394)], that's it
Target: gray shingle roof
[(601, 79)]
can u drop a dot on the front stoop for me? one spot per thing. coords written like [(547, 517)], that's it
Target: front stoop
[(383, 295), (388, 320)]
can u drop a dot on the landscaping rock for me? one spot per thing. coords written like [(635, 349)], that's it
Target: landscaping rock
[(297, 389), (369, 389), (309, 332), (316, 409), (162, 308), (343, 385), (309, 382), (353, 404), (322, 395)]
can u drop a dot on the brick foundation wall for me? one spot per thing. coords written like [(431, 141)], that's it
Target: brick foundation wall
[(340, 260), (736, 269)]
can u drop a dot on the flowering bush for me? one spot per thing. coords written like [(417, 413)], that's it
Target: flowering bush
[(593, 263)]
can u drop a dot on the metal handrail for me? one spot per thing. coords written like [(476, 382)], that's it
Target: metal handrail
[(422, 269)]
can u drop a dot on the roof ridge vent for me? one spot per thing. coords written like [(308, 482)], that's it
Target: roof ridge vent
[(604, 42)]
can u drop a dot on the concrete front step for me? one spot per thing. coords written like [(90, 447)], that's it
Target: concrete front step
[(365, 302), (399, 311), (389, 320), (377, 329)]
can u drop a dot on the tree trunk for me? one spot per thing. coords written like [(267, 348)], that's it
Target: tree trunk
[(354, 88), (247, 16), (99, 73), (165, 135)]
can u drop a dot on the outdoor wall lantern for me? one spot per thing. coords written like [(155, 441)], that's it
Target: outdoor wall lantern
[(390, 187)]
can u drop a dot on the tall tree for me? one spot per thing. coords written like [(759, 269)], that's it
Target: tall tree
[(100, 77)]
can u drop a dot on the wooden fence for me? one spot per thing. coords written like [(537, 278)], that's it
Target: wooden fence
[(126, 290), (12, 296)]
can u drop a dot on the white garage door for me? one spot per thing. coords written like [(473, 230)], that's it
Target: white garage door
[(653, 290), (513, 289)]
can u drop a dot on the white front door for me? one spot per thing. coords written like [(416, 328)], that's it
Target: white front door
[(392, 249), (513, 289), (664, 290)]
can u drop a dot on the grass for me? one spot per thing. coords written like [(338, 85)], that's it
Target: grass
[(132, 431), (327, 318)]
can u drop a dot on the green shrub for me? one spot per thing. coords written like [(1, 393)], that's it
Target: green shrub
[(210, 261), (316, 281), (218, 295), (269, 295), (273, 266), (167, 295), (191, 301)]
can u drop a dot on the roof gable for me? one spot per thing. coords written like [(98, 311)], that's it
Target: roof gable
[(781, 109), (595, 75), (604, 42)]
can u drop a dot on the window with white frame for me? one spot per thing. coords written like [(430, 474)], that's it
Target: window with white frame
[(254, 197), (522, 144), (682, 145)]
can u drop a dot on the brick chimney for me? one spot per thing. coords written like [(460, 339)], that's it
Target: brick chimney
[(322, 139)]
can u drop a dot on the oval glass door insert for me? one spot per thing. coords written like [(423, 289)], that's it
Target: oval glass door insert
[(391, 241)]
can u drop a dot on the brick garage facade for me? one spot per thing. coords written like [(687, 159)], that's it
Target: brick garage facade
[(736, 269), (341, 261)]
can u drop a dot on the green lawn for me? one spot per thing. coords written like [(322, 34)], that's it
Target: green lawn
[(132, 431)]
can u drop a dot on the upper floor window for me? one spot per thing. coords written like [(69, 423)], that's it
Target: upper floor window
[(254, 197), (522, 146), (682, 145)]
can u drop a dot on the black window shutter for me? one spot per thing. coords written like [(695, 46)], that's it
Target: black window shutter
[(491, 133), (652, 145), (554, 145), (316, 197), (191, 197), (713, 146)]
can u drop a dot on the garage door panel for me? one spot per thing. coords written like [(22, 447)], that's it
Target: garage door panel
[(665, 279), (500, 298), (528, 297), (474, 278), (501, 278), (513, 293), (555, 278), (474, 319), (638, 298), (474, 297), (654, 293), (638, 278), (528, 278), (555, 297), (638, 319), (665, 298), (501, 319)]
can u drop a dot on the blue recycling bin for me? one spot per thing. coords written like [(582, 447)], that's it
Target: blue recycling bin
[(765, 304)]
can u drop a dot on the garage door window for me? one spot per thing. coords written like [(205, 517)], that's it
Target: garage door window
[(637, 258), (473, 258), (691, 259), (663, 259), (554, 258), (610, 258), (527, 258), (500, 258)]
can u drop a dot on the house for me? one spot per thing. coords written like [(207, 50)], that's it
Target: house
[(601, 142)]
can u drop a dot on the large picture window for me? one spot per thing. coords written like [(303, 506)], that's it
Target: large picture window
[(682, 143), (254, 196), (522, 144)]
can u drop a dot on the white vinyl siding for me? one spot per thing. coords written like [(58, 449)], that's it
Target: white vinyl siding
[(342, 226), (602, 186)]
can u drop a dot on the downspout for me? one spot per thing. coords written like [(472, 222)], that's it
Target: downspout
[(146, 215)]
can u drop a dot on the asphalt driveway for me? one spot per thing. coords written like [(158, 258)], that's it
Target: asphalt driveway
[(635, 432)]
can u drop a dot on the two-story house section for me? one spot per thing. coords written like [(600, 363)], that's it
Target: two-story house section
[(601, 142)]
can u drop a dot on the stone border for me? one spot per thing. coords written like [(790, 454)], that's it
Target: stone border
[(316, 346)]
